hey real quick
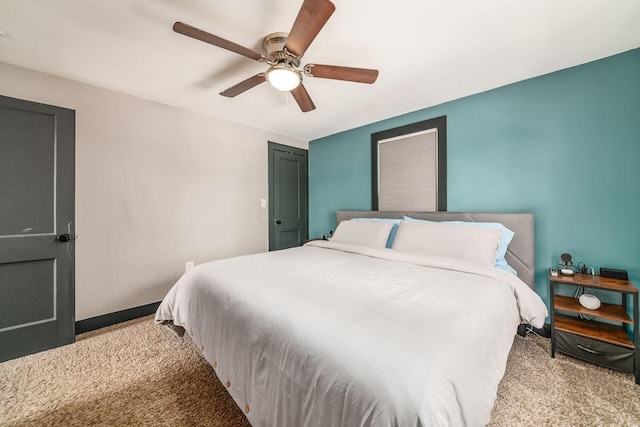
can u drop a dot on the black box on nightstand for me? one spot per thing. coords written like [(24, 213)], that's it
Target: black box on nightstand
[(612, 273)]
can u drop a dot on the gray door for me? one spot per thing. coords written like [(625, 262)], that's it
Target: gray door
[(288, 216), (37, 180)]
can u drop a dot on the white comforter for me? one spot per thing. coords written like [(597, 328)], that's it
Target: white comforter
[(337, 335)]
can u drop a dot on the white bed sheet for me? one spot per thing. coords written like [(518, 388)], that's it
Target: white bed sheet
[(337, 335)]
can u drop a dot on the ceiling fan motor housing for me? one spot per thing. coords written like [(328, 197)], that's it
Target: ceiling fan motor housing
[(274, 46)]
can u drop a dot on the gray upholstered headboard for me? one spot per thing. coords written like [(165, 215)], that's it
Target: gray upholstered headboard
[(520, 254)]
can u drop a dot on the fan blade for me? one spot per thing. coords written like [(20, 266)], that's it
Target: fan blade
[(244, 85), (303, 99), (359, 75), (193, 32), (311, 18)]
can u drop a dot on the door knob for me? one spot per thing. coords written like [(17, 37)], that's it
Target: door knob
[(278, 222), (64, 238)]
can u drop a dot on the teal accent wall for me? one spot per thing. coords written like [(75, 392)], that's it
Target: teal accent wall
[(565, 146)]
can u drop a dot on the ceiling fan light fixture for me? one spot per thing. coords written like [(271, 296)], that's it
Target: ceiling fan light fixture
[(283, 77)]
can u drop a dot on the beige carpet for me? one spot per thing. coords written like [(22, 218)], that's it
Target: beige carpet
[(139, 373)]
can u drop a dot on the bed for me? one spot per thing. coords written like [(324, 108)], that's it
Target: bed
[(365, 332)]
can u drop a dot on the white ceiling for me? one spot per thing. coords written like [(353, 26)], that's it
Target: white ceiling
[(427, 51)]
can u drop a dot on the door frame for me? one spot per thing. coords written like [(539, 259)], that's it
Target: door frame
[(274, 146)]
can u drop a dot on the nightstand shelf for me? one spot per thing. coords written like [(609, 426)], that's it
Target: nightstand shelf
[(605, 332), (613, 312), (605, 338)]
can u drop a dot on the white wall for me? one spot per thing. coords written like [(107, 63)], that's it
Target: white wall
[(156, 186)]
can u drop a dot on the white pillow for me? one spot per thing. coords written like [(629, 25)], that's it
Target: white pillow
[(507, 236), (449, 240), (368, 233)]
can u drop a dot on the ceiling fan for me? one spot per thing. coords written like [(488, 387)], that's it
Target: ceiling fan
[(283, 53)]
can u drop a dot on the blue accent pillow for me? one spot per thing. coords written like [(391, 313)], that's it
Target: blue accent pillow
[(507, 236), (392, 235)]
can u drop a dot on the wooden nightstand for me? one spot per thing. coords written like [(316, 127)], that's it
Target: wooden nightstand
[(604, 343)]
